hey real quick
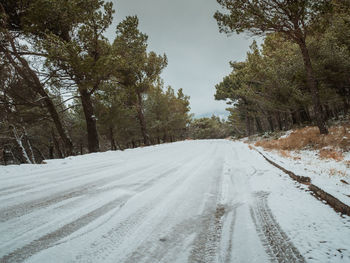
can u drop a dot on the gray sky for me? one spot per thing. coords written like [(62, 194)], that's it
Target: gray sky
[(187, 33)]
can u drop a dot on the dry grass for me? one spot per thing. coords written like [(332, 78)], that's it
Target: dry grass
[(285, 153), (347, 163), (335, 142), (331, 154), (309, 137), (335, 172)]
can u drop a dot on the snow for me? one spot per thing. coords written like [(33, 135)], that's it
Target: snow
[(192, 201), (286, 134), (324, 173)]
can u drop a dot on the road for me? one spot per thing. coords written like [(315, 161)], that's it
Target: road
[(193, 201)]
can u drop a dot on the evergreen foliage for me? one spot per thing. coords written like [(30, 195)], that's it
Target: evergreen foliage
[(65, 89), (299, 75)]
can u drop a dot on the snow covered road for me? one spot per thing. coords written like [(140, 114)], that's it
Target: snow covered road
[(193, 201)]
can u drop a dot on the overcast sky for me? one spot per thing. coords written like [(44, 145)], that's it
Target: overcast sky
[(187, 33)]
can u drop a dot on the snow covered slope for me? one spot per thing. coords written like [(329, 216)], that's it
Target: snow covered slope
[(193, 201), (327, 174)]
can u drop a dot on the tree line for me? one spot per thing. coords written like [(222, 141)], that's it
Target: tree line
[(66, 89), (210, 128), (301, 72)]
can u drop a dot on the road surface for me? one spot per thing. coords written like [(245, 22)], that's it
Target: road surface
[(193, 201)]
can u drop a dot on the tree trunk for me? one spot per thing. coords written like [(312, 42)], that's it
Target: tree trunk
[(40, 154), (51, 155), (118, 145), (68, 145), (279, 121), (270, 121), (142, 121), (81, 148), (26, 138), (93, 142), (111, 137), (258, 125), (54, 116), (334, 111), (248, 126), (4, 156), (33, 81), (285, 121), (346, 106), (57, 145), (328, 112), (295, 117), (304, 115), (20, 145), (312, 85)]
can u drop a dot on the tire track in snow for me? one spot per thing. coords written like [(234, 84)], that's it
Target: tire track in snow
[(206, 244), (277, 244), (13, 190), (37, 187), (28, 207), (226, 255), (48, 174), (169, 242), (89, 168), (40, 218), (11, 187), (133, 220), (115, 239), (50, 239), (173, 244), (220, 217), (137, 189), (80, 190)]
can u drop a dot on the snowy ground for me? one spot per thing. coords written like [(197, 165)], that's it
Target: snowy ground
[(194, 201), (328, 174)]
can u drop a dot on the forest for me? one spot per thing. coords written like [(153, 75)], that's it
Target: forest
[(67, 90), (231, 146), (299, 75)]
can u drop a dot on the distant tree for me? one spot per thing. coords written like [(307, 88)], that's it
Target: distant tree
[(137, 69), (209, 128), (167, 114), (116, 117)]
